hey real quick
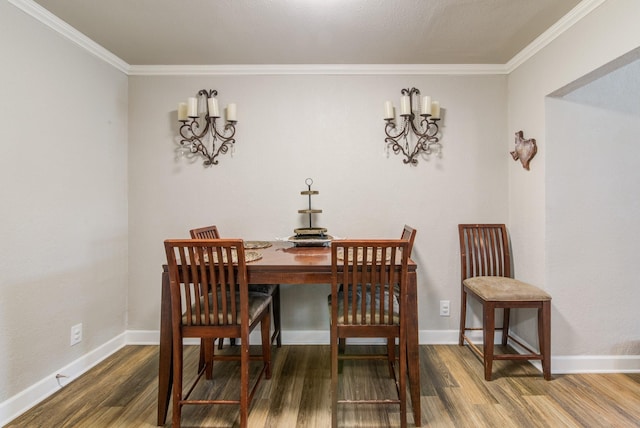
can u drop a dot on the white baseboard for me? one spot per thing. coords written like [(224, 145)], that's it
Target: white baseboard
[(560, 364), (24, 400), (595, 364), (438, 337)]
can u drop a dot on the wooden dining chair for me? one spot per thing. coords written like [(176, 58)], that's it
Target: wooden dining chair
[(486, 276), (369, 271), (211, 232), (408, 234), (210, 299), (207, 232)]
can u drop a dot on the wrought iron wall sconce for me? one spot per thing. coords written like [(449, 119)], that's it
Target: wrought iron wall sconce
[(424, 126), (199, 117)]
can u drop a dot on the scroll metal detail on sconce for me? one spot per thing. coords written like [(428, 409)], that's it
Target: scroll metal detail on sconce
[(424, 126), (199, 120)]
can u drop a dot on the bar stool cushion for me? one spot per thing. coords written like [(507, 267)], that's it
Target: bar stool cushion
[(368, 307), (500, 288)]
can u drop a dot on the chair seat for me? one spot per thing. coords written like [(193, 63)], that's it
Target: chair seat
[(499, 288), (341, 320), (257, 303)]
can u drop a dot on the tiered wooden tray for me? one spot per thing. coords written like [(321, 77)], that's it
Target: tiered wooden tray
[(310, 236)]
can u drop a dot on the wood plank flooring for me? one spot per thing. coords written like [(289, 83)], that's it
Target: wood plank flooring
[(122, 392)]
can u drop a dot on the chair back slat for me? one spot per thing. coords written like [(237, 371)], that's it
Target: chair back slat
[(207, 281), (485, 250), (371, 273)]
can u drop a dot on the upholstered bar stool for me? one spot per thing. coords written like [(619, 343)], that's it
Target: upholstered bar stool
[(486, 276), (365, 275), (273, 290), (210, 299)]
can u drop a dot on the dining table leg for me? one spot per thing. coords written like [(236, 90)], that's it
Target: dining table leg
[(413, 347), (165, 369)]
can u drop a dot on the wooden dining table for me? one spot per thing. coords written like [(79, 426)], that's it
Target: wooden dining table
[(283, 263)]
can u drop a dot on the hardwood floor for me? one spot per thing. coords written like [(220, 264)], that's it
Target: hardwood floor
[(122, 392)]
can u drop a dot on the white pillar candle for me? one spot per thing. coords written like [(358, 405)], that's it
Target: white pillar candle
[(388, 110), (435, 110), (426, 105), (214, 111), (182, 111), (192, 110), (405, 105), (231, 113)]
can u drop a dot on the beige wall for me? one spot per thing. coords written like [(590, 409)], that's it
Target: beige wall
[(592, 218), (63, 257), (329, 128), (607, 33)]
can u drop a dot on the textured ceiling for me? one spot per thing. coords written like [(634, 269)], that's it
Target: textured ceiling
[(223, 32)]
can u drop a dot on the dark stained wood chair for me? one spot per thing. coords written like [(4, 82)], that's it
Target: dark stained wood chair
[(209, 279), (371, 272), (409, 234), (211, 232), (486, 276), (207, 232)]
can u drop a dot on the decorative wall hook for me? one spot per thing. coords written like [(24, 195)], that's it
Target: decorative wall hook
[(199, 120), (525, 150), (424, 129)]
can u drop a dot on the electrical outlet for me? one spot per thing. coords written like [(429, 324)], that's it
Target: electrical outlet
[(444, 308), (76, 334)]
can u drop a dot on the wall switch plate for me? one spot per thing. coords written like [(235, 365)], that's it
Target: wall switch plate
[(444, 308), (76, 334)]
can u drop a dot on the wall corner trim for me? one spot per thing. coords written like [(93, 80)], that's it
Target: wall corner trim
[(47, 18), (576, 14)]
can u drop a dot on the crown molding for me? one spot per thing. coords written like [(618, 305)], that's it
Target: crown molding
[(50, 20), (556, 30), (47, 18), (322, 69)]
